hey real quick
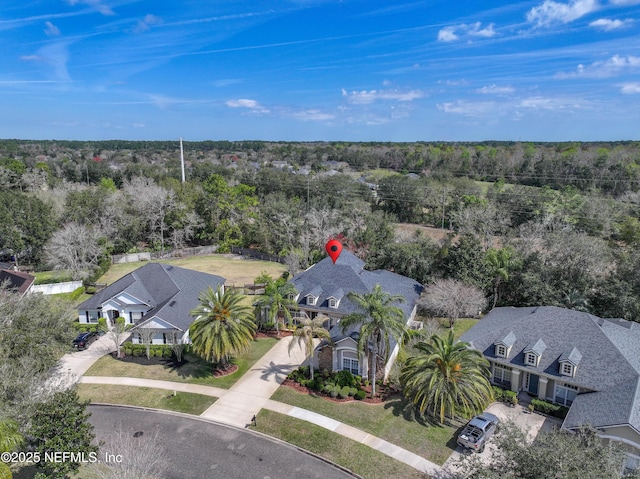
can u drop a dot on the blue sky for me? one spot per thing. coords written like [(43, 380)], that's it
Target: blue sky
[(304, 70)]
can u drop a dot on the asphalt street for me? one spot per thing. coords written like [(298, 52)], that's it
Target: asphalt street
[(199, 449)]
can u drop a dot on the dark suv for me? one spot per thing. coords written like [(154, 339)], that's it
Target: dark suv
[(85, 339)]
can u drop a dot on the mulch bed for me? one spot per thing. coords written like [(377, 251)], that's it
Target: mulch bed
[(144, 361), (383, 393), (272, 334), (218, 373)]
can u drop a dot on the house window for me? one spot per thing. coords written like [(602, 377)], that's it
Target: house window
[(333, 303), (311, 300), (566, 369), (351, 365), (631, 464), (501, 350), (530, 359), (565, 394), (502, 375)]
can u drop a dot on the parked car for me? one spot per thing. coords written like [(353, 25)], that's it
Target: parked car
[(84, 340), (477, 432)]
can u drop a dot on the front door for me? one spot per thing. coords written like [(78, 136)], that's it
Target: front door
[(533, 384)]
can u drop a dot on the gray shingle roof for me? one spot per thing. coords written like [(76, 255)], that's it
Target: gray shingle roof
[(172, 292), (326, 279), (606, 350)]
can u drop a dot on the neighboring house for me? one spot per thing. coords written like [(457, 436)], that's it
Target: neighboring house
[(16, 281), (156, 297), (590, 364), (324, 289)]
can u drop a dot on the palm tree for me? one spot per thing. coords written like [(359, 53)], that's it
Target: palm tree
[(223, 327), (379, 321), (278, 296), (501, 262), (574, 299), (304, 334), (447, 378), (10, 439)]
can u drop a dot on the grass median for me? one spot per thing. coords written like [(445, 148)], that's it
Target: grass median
[(356, 457), (187, 403), (392, 421)]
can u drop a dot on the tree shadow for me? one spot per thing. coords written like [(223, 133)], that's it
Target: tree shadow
[(191, 367), (400, 407)]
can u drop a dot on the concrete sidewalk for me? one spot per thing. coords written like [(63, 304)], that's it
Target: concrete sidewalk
[(249, 394)]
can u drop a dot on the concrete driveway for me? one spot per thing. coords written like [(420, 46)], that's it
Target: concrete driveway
[(196, 449), (533, 423)]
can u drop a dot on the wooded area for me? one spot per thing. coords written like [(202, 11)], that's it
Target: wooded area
[(527, 223)]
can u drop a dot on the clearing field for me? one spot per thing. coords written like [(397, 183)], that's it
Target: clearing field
[(238, 270)]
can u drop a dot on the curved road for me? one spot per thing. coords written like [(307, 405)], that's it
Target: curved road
[(200, 449)]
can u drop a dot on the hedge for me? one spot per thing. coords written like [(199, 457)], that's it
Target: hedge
[(550, 409), (155, 350)]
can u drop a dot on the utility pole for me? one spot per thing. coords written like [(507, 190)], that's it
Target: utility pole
[(443, 198), (182, 159)]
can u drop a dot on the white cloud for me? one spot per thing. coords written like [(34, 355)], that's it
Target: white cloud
[(477, 31), (608, 25), (51, 30), (491, 109), (309, 115), (449, 34), (467, 108), (365, 97), (251, 105), (146, 23), (624, 3), (242, 103), (95, 4), (605, 69), (630, 88), (551, 12), (495, 90), (139, 125)]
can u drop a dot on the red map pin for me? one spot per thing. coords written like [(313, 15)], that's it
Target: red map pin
[(334, 248)]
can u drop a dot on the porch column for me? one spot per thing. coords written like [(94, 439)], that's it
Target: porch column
[(515, 380), (542, 388)]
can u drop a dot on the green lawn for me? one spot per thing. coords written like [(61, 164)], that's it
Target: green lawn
[(356, 457), (391, 421), (236, 271), (195, 370), (188, 403)]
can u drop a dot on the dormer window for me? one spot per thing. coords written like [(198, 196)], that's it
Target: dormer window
[(311, 300), (530, 359), (569, 362), (503, 346), (333, 303), (566, 369)]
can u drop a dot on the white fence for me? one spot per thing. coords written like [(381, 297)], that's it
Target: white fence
[(56, 288)]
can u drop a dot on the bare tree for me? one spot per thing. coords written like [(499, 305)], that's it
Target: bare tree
[(76, 248), (453, 299), (146, 337), (178, 346), (483, 220), (133, 456), (152, 202), (118, 333)]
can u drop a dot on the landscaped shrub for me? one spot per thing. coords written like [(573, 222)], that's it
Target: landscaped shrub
[(498, 393), (345, 378), (136, 353), (328, 388), (545, 407), (344, 392), (167, 353), (334, 393), (360, 395)]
